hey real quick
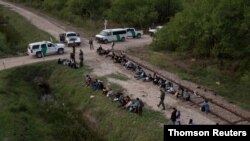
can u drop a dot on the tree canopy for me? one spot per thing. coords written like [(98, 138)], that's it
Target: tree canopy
[(210, 28), (138, 13)]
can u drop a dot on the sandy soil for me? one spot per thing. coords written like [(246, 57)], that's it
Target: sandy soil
[(101, 67)]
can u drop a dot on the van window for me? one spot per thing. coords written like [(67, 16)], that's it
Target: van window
[(35, 47), (43, 46), (119, 32), (130, 29), (50, 45)]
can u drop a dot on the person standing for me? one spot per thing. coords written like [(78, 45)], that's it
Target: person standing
[(162, 97), (81, 57), (73, 55), (113, 44), (173, 116), (178, 118), (190, 122), (91, 46)]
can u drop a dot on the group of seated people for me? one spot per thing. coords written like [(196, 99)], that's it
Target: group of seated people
[(95, 84), (140, 74), (117, 58), (68, 62), (124, 102)]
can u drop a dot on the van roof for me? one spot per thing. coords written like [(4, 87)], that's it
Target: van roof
[(114, 29)]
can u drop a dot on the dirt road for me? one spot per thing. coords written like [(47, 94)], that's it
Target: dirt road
[(101, 67)]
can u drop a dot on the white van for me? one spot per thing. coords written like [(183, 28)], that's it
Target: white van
[(109, 35)]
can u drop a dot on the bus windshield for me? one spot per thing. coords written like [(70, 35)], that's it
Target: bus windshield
[(104, 33)]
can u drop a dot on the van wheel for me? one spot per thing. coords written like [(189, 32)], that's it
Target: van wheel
[(60, 51), (105, 41), (138, 35), (39, 55), (123, 39)]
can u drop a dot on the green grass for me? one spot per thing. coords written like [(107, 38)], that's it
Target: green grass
[(24, 117), (234, 85), (18, 33)]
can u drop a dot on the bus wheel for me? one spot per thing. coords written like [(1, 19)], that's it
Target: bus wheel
[(123, 38), (105, 41)]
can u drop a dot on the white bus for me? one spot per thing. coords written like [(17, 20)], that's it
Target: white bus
[(109, 35)]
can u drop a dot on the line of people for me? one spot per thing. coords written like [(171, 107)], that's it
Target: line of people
[(140, 74), (124, 102)]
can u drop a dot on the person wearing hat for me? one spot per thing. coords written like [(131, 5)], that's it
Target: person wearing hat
[(162, 97)]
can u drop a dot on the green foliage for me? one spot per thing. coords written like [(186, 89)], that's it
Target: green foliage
[(209, 28), (138, 13)]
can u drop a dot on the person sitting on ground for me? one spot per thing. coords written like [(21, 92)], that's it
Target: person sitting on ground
[(126, 100), (105, 90), (171, 90), (142, 75), (168, 85), (149, 78), (124, 61), (99, 85), (205, 106), (138, 71), (156, 80), (117, 96), (186, 95), (95, 85), (163, 84), (110, 93), (123, 54), (154, 75), (99, 49), (129, 104), (88, 80), (130, 65), (121, 101), (110, 54), (179, 92), (59, 61), (134, 107), (117, 59)]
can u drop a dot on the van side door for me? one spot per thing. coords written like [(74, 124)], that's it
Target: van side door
[(110, 36)]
